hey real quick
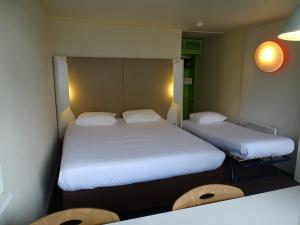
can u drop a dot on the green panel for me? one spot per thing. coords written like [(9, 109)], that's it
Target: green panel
[(190, 61), (192, 52), (189, 73), (188, 107), (188, 91), (191, 46)]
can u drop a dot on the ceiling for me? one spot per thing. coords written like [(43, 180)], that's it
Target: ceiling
[(216, 15)]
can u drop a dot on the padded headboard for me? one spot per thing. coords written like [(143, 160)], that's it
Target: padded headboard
[(117, 85)]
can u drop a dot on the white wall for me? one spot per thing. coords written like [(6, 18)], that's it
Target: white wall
[(27, 112), (272, 98), (95, 40), (230, 82), (220, 69)]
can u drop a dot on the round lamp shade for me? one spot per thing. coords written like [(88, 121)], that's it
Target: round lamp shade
[(269, 56), (291, 30)]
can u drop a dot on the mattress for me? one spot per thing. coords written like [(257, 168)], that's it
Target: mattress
[(240, 141), (123, 154)]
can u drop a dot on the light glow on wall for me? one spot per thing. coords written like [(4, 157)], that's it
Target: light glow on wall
[(269, 56), (71, 92), (170, 90)]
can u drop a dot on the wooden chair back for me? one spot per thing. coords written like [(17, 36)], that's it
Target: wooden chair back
[(207, 194), (82, 216)]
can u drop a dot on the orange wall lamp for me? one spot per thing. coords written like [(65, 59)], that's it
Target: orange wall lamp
[(269, 56)]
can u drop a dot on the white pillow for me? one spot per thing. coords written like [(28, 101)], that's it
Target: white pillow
[(207, 117), (96, 119), (140, 116)]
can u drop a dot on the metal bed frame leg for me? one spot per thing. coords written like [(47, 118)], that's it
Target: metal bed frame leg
[(232, 174), (251, 163), (273, 171)]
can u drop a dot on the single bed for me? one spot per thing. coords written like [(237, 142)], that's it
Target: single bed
[(239, 141), (146, 164)]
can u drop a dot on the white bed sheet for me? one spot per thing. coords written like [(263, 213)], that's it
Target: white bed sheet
[(129, 153), (240, 141)]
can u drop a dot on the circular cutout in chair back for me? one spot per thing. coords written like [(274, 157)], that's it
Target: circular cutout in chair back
[(72, 222), (206, 196)]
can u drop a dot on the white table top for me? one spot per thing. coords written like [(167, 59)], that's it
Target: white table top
[(280, 207)]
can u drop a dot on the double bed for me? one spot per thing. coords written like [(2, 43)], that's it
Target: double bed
[(144, 164)]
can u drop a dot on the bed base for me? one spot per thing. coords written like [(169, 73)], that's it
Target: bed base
[(138, 199), (268, 161)]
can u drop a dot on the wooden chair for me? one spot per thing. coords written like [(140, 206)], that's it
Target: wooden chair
[(207, 194), (82, 216)]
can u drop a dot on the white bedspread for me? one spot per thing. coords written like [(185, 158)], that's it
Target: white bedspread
[(129, 153), (240, 141)]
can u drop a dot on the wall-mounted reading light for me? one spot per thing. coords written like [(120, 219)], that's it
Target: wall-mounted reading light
[(269, 56), (291, 30)]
